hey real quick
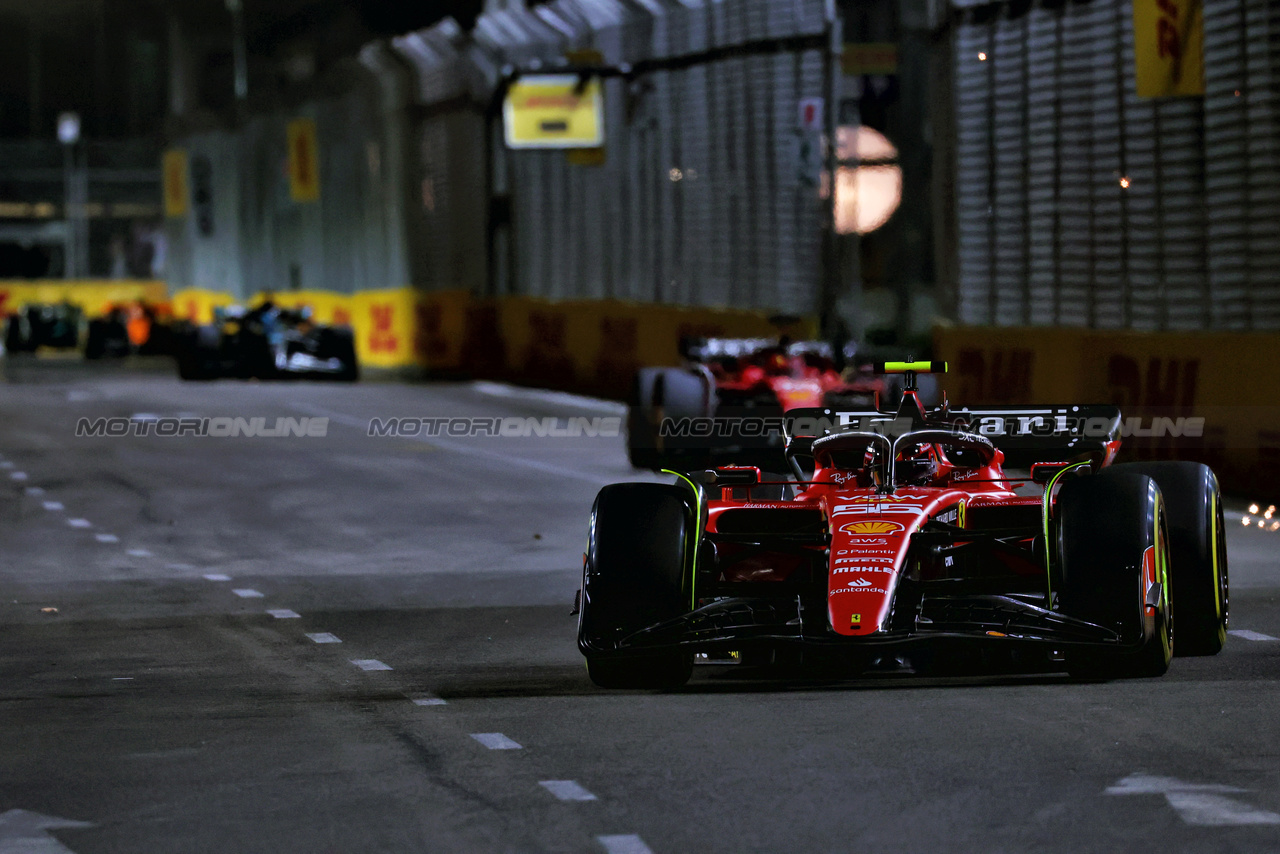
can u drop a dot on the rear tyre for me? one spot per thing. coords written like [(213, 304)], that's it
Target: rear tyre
[(1197, 551), (16, 338), (95, 346), (197, 354), (1112, 537), (340, 343), (635, 576), (678, 394)]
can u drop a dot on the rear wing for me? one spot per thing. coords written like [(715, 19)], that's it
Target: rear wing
[(1026, 434), (1033, 434)]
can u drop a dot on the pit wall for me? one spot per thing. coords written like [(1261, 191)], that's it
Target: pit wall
[(591, 346), (1230, 379)]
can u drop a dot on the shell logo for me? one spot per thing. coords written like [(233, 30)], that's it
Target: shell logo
[(872, 528)]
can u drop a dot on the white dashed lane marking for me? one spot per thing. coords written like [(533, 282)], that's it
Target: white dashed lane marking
[(247, 593), (624, 844), (429, 701), (18, 475), (138, 553), (1201, 804), (80, 523), (370, 664), (34, 491), (1251, 635), (284, 614), (54, 506), (106, 538), (6, 465), (495, 741), (324, 637), (567, 790), (210, 576)]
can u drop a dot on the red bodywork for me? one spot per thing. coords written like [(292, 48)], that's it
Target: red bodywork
[(797, 376), (870, 530)]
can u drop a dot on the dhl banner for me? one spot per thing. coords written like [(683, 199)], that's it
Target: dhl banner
[(304, 161), (384, 321), (93, 297), (584, 345), (1204, 396), (1168, 46), (198, 306), (177, 193)]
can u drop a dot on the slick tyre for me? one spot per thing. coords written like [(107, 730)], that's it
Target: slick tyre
[(635, 575), (339, 342), (1112, 537), (197, 354), (95, 346), (1197, 551)]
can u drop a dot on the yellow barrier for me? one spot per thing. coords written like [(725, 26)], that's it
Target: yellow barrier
[(1229, 379), (586, 345), (197, 306), (94, 297)]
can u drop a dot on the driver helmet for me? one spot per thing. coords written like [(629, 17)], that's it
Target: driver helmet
[(917, 466)]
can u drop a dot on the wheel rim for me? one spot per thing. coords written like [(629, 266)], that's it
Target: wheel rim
[(1221, 588)]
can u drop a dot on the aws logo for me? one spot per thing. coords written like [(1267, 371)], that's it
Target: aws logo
[(875, 528)]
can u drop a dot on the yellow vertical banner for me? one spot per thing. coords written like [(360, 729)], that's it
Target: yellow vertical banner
[(304, 161), (177, 194), (1168, 47)]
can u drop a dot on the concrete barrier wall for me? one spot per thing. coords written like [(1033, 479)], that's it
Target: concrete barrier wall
[(1229, 379)]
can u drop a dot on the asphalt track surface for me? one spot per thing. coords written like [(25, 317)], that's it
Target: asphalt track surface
[(428, 695)]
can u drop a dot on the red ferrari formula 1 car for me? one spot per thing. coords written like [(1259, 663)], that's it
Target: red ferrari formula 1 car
[(735, 378), (899, 538)]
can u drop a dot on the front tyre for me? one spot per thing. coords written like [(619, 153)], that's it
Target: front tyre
[(1197, 551), (636, 574), (1112, 552)]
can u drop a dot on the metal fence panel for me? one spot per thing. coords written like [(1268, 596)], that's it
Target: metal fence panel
[(1079, 203), (705, 196)]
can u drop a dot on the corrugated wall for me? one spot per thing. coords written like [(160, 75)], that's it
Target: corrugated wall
[(703, 198), (250, 236), (1081, 204), (1242, 161)]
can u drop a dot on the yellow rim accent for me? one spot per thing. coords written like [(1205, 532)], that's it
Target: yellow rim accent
[(695, 536), (1044, 513), (1213, 544)]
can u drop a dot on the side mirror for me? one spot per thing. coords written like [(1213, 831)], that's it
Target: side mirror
[(730, 476), (1042, 473)]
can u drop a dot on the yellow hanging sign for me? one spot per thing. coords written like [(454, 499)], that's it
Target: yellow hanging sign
[(1168, 45), (304, 161), (555, 111), (177, 193)]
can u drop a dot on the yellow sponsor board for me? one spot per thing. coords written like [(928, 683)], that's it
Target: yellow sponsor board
[(588, 345), (384, 323), (1168, 47), (555, 111), (177, 192), (304, 161), (1203, 396), (198, 305), (93, 297)]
